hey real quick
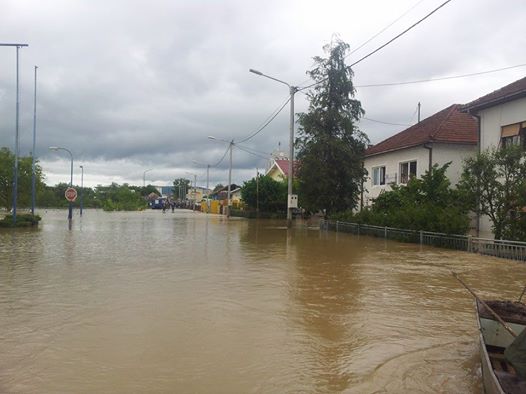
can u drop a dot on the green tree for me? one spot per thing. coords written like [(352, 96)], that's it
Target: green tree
[(7, 161), (181, 187), (494, 183), (120, 198), (272, 195), (330, 145)]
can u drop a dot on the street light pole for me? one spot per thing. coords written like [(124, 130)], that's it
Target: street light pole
[(292, 91), (15, 169), (56, 148), (33, 154), (81, 187), (231, 145), (230, 181), (207, 183), (144, 177)]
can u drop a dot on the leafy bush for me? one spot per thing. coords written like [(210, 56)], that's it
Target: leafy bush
[(22, 220), (427, 204)]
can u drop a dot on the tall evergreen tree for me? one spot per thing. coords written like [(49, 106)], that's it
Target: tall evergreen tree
[(330, 145)]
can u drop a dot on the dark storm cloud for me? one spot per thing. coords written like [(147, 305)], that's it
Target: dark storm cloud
[(138, 84)]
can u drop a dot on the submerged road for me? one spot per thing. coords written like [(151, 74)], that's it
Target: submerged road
[(187, 302)]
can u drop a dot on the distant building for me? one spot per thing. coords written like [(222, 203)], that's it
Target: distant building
[(278, 168)]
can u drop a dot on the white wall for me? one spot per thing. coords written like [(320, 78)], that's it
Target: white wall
[(391, 161), (454, 153), (491, 121), (442, 153)]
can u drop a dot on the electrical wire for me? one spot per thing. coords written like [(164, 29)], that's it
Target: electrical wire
[(254, 150), (377, 34), (222, 158), (384, 29), (441, 78), (388, 123), (267, 122), (383, 45), (252, 153)]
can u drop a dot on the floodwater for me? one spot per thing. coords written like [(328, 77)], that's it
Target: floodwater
[(187, 302)]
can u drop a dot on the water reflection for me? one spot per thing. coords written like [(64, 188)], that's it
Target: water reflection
[(185, 302)]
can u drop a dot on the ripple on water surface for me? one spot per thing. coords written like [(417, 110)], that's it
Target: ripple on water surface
[(185, 302)]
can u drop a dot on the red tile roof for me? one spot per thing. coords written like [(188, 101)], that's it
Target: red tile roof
[(284, 166), (509, 92), (448, 126)]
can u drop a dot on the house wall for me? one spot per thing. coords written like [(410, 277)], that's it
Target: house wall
[(275, 174), (454, 153), (491, 121), (391, 161), (442, 154)]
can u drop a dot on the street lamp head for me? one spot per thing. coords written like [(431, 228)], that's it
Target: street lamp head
[(211, 137), (81, 167), (255, 71), (53, 148)]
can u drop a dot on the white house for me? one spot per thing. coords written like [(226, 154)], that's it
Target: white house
[(447, 136), (502, 121)]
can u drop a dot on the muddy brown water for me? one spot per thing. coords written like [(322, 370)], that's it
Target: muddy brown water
[(185, 302)]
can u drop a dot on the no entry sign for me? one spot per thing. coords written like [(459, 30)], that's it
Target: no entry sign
[(71, 194)]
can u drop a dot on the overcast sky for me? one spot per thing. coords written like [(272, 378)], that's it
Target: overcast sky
[(132, 85)]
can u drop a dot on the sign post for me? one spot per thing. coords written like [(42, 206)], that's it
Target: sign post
[(71, 194)]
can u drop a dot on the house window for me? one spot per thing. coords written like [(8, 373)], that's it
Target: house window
[(407, 170), (513, 134), (378, 176)]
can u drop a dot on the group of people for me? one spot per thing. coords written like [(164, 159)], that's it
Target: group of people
[(168, 204)]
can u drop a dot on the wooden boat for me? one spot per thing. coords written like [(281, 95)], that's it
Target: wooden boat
[(498, 374)]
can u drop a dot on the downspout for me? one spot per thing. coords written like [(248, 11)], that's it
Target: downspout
[(429, 147), (361, 191)]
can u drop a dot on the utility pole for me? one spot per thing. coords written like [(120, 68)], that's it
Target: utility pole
[(15, 169), (257, 191), (229, 181), (33, 154), (419, 112)]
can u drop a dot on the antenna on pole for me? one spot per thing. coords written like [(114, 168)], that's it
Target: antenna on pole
[(419, 112)]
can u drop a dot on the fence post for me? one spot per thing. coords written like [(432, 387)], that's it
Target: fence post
[(421, 237), (385, 232), (336, 225), (469, 243), (358, 228)]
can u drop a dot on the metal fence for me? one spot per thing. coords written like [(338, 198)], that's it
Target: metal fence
[(513, 250)]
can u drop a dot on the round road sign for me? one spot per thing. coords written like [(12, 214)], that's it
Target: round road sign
[(71, 194)]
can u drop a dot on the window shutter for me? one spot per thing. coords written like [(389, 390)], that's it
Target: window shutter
[(511, 130)]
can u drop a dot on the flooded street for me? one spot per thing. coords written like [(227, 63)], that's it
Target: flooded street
[(185, 302)]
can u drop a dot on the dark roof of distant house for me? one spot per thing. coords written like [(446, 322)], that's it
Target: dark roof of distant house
[(448, 126), (233, 187), (284, 166), (509, 92)]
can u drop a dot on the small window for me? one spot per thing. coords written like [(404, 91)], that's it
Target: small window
[(378, 176), (513, 134), (407, 170)]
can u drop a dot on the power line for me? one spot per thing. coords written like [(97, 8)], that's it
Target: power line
[(255, 150), (252, 153), (377, 34), (384, 45), (388, 123), (384, 29), (439, 79), (222, 158), (267, 122)]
